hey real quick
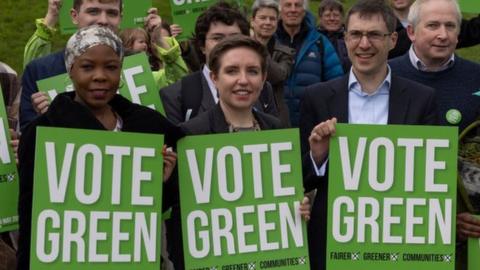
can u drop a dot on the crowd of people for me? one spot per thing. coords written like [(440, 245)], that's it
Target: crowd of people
[(380, 62)]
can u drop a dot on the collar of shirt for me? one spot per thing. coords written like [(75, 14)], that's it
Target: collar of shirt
[(364, 108), (419, 65), (354, 85), (211, 85)]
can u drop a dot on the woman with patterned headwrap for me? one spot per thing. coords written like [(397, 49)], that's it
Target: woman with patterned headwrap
[(93, 60)]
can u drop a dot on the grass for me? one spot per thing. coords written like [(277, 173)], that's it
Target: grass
[(17, 19)]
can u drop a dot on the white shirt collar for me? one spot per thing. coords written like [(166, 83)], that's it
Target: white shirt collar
[(419, 65), (206, 73)]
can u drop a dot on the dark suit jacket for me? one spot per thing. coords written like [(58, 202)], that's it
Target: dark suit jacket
[(410, 103), (213, 121), (172, 99)]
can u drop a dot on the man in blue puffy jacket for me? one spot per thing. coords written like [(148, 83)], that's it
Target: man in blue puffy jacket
[(315, 60)]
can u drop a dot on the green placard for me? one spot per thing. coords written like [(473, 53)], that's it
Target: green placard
[(240, 194), (8, 176), (97, 200), (474, 252), (185, 13), (469, 6), (138, 83), (134, 13), (392, 197)]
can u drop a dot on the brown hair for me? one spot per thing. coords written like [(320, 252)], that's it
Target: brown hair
[(233, 42), (78, 3)]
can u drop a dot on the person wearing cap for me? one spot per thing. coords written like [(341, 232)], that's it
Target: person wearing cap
[(93, 60)]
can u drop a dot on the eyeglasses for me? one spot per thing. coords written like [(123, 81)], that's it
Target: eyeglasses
[(372, 36)]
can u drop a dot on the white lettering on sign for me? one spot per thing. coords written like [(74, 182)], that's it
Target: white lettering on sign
[(55, 240), (93, 155), (347, 220), (212, 233), (202, 187), (135, 90), (351, 175)]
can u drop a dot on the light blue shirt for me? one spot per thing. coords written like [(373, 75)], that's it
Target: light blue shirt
[(364, 108)]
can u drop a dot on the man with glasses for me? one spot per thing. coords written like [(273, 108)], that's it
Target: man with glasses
[(196, 93), (369, 94)]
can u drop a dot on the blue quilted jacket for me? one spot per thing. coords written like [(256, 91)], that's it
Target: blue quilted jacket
[(311, 66)]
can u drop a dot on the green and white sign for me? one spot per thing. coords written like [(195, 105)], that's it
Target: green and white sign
[(138, 83), (185, 13), (134, 13), (392, 197), (8, 176), (240, 195), (97, 201), (469, 6), (474, 252)]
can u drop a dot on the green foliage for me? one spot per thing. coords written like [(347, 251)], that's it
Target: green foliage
[(17, 24)]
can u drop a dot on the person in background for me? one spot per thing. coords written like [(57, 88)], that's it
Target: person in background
[(163, 53), (330, 15), (400, 9), (315, 60), (93, 60), (280, 60)]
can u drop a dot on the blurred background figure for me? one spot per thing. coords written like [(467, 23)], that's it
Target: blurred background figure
[(315, 58), (280, 59), (330, 18)]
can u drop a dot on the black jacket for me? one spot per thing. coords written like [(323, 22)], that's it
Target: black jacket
[(213, 121), (66, 113)]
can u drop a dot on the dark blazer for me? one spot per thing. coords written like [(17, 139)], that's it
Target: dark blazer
[(213, 121), (410, 103), (172, 99)]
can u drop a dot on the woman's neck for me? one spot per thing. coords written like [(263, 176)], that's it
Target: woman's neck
[(105, 115), (237, 118)]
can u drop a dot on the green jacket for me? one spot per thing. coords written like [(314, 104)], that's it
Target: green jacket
[(174, 68)]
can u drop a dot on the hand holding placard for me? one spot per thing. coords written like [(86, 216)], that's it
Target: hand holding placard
[(319, 139)]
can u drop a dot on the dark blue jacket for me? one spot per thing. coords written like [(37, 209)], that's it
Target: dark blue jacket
[(41, 68), (311, 66)]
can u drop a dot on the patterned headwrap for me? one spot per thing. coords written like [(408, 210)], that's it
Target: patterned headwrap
[(88, 37)]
